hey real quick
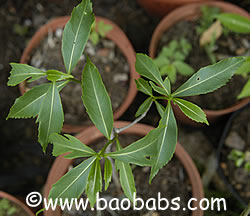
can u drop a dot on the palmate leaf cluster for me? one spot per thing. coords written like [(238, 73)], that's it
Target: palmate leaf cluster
[(154, 150)]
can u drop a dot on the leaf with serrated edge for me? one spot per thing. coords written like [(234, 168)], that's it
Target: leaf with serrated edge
[(96, 99), (167, 84), (94, 184), (146, 67), (51, 115), (21, 72), (143, 86), (76, 34), (126, 176), (73, 183), (137, 152), (235, 22), (191, 110), (144, 106), (209, 78), (29, 104), (159, 108), (158, 89), (68, 143), (166, 141), (107, 172)]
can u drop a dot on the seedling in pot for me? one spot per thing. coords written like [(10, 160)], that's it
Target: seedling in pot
[(99, 30), (240, 158), (171, 59), (225, 23), (154, 150), (6, 208)]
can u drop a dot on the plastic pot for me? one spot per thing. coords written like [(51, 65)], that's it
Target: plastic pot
[(192, 12), (116, 35), (88, 136), (219, 151), (11, 198), (160, 8)]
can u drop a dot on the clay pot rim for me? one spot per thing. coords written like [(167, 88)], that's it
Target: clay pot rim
[(225, 133), (116, 35), (17, 202), (91, 134), (188, 12)]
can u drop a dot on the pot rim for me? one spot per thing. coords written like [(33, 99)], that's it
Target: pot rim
[(116, 35), (17, 202), (92, 133), (190, 12), (226, 131)]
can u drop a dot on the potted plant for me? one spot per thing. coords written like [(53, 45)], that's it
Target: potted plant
[(162, 7), (112, 67), (11, 206), (233, 155), (154, 150), (186, 19), (91, 135)]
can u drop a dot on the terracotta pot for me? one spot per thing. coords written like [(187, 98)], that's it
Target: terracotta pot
[(17, 202), (192, 12), (160, 8), (60, 166), (225, 134), (116, 35)]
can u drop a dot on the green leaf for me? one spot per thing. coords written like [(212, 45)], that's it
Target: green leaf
[(94, 37), (170, 71), (21, 72), (137, 152), (76, 34), (245, 92), (166, 141), (145, 67), (161, 61), (158, 89), (55, 75), (94, 182), (235, 22), (96, 99), (183, 68), (209, 78), (29, 104), (179, 56), (107, 172), (103, 28), (191, 110), (244, 69), (126, 176), (167, 84), (68, 143), (159, 108), (144, 106), (143, 86), (51, 116), (73, 183)]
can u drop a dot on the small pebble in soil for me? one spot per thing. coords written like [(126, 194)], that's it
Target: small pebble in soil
[(235, 141)]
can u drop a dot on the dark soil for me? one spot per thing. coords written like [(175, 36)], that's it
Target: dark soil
[(107, 57), (227, 46), (9, 208), (238, 138), (170, 182)]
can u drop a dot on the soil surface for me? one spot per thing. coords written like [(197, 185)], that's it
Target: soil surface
[(239, 139), (170, 182), (226, 46), (107, 57)]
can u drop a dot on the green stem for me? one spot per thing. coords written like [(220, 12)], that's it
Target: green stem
[(101, 153), (246, 212), (75, 80), (160, 98)]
